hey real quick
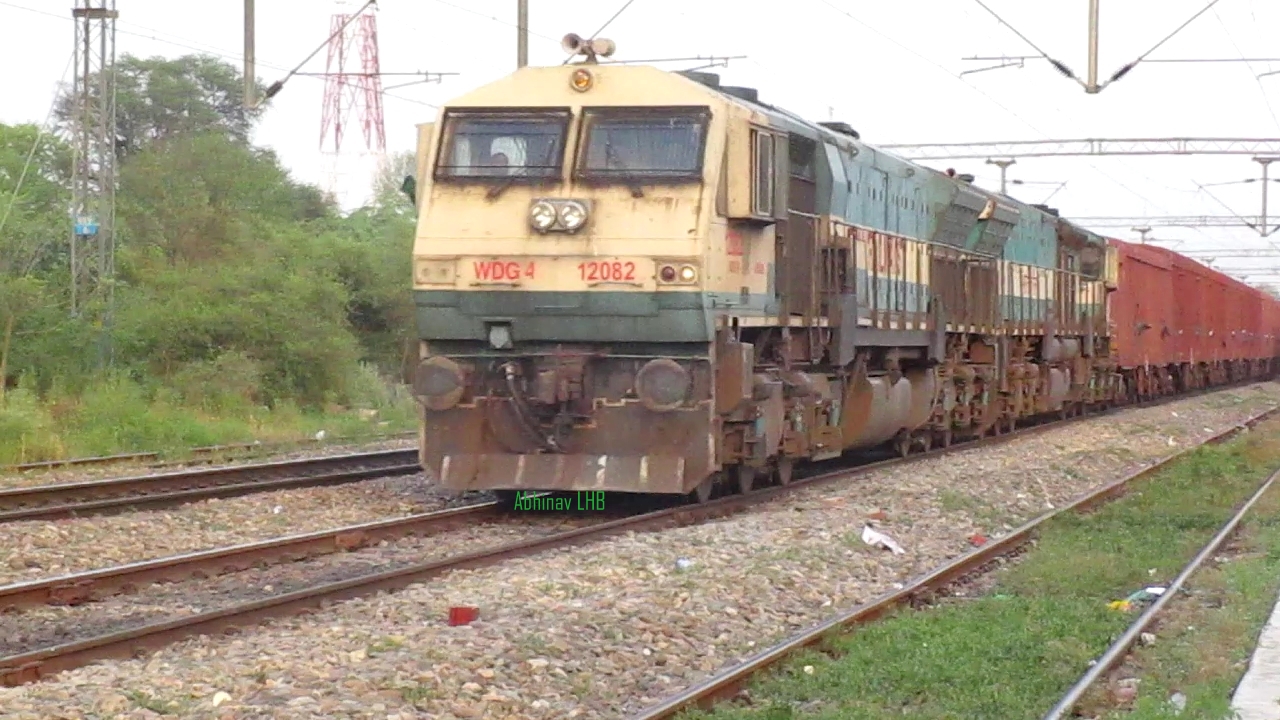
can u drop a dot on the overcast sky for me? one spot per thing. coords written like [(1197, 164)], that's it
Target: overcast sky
[(890, 69)]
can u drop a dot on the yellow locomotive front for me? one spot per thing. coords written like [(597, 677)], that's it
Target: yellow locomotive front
[(559, 282)]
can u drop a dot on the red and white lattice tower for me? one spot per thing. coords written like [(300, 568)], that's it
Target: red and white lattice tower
[(352, 93)]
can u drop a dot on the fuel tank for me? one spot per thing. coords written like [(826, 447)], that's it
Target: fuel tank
[(877, 408)]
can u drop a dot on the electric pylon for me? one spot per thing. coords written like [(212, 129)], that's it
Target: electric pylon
[(353, 90), (93, 170)]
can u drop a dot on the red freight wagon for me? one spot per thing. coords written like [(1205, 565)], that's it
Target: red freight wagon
[(1226, 306), (1194, 312), (1142, 308), (1248, 321), (1270, 326)]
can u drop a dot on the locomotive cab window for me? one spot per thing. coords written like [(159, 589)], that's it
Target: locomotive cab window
[(502, 145), (649, 145)]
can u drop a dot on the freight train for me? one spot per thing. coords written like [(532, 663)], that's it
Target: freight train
[(634, 280)]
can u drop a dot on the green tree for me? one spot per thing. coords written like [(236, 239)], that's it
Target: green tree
[(233, 279), (194, 198), (387, 184), (33, 200), (161, 98)]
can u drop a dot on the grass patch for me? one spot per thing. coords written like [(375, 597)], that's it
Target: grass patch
[(121, 416), (1206, 636), (1014, 651)]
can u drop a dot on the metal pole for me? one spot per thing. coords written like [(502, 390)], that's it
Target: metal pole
[(1004, 170), (1092, 85), (1266, 161), (250, 75), (522, 33)]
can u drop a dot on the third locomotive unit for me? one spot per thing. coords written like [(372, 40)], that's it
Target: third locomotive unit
[(635, 280)]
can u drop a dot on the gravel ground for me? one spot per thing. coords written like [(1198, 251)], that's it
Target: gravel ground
[(80, 473), (42, 548), (40, 627), (605, 629)]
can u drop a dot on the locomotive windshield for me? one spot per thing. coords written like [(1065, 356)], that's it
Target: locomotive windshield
[(502, 145), (646, 144)]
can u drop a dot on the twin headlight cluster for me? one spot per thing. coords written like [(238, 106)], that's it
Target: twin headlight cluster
[(565, 215)]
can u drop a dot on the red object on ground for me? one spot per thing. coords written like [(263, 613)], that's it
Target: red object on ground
[(463, 615), (978, 540), (877, 515)]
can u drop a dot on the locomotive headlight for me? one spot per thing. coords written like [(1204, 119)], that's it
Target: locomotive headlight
[(438, 383), (542, 215), (573, 215), (662, 385), (688, 274)]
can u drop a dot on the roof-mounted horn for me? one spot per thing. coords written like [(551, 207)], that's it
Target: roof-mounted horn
[(591, 49)]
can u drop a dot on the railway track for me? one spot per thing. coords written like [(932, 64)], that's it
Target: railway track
[(94, 497), (33, 665), (92, 585), (729, 683), (1118, 649), (203, 455)]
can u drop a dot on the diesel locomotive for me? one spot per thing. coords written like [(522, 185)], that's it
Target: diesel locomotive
[(628, 279)]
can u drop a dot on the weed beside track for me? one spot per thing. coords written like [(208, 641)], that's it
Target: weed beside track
[(1010, 644)]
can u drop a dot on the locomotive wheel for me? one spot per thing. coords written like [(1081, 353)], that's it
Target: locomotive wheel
[(702, 493), (746, 478), (903, 445), (784, 470)]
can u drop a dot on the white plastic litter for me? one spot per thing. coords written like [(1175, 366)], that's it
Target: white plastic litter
[(877, 539)]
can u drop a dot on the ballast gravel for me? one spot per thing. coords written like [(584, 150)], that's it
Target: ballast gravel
[(603, 630), (267, 453), (44, 626), (41, 548)]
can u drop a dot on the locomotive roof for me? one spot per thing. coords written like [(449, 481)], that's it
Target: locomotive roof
[(792, 122)]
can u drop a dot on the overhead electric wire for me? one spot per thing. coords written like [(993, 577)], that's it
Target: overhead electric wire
[(602, 28), (1266, 99), (195, 46), (986, 95), (278, 85), (496, 19), (1124, 69), (1211, 240), (609, 22), (1061, 66), (35, 145)]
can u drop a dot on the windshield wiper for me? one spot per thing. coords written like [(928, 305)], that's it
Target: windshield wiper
[(632, 183), (497, 190)]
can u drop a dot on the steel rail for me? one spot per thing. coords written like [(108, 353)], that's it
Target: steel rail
[(31, 666), (1121, 646), (209, 452), (98, 496), (34, 665), (77, 588), (92, 585), (726, 684)]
